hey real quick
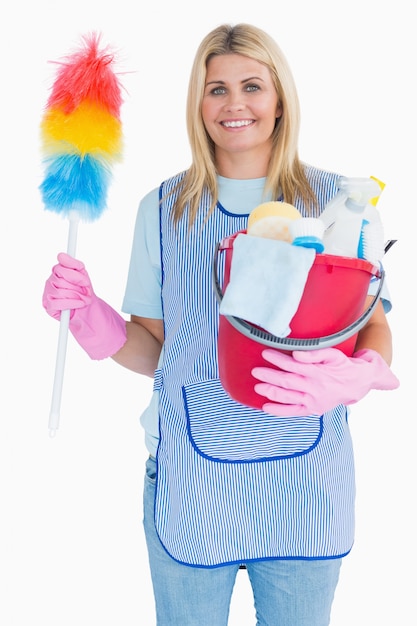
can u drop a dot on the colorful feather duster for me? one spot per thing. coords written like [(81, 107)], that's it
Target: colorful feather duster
[(81, 133), (81, 138)]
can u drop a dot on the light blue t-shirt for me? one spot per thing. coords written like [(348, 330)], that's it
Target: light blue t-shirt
[(143, 288)]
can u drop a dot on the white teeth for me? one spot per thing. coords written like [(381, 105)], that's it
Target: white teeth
[(237, 124)]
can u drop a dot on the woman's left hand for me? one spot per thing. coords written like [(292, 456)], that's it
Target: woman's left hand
[(314, 381)]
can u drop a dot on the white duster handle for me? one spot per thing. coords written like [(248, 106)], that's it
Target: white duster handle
[(54, 415)]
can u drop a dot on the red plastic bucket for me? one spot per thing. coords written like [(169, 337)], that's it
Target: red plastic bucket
[(330, 314)]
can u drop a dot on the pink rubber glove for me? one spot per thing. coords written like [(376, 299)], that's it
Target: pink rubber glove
[(315, 381), (98, 328)]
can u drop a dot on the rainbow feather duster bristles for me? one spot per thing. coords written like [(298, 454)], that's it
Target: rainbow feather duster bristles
[(81, 132), (81, 139)]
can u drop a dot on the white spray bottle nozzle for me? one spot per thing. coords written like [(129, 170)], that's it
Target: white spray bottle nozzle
[(359, 190)]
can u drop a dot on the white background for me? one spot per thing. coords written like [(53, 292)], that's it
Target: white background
[(71, 544)]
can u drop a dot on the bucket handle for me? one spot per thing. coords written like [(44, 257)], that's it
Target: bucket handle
[(291, 343)]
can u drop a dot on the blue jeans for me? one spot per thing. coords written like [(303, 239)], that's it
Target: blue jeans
[(286, 592)]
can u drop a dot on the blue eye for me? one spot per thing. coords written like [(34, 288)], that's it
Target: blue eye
[(218, 91)]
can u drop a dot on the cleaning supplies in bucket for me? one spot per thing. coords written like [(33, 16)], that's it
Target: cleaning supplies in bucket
[(320, 306)]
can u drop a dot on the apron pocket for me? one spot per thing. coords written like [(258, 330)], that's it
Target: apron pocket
[(224, 430)]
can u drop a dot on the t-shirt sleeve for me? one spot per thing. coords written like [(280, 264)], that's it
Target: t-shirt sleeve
[(143, 287)]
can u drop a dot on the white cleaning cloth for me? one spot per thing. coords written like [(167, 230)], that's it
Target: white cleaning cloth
[(267, 280)]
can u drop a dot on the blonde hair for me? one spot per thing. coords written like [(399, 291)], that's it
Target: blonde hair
[(285, 173)]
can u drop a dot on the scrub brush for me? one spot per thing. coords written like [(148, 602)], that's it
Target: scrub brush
[(371, 242), (371, 245)]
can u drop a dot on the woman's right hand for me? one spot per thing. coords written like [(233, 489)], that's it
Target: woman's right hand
[(97, 327), (68, 287)]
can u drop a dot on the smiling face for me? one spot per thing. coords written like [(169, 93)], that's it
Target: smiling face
[(239, 109)]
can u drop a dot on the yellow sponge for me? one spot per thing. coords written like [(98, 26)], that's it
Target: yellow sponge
[(272, 220)]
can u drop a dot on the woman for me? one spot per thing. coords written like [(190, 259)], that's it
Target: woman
[(214, 499)]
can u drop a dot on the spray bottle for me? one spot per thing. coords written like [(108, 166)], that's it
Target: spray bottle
[(353, 225)]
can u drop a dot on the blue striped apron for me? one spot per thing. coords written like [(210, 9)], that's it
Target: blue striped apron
[(234, 483)]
